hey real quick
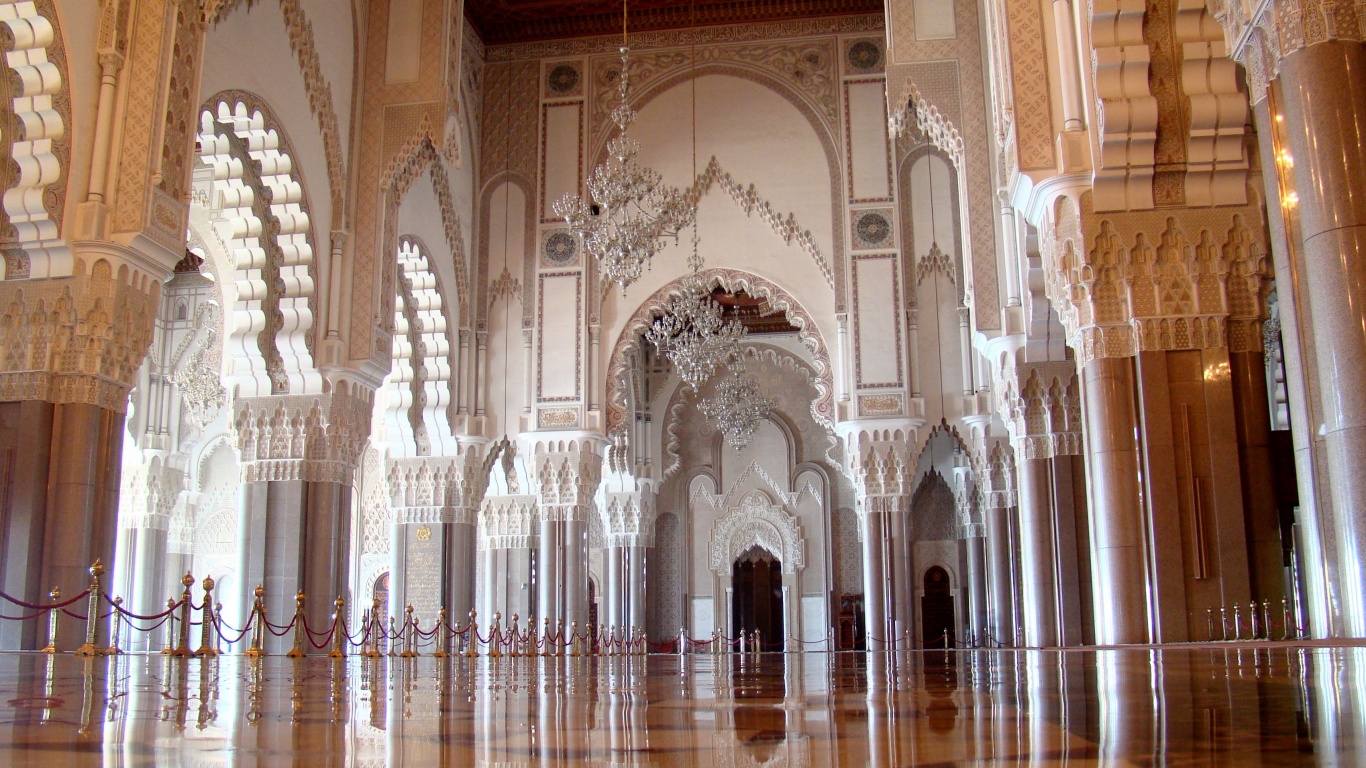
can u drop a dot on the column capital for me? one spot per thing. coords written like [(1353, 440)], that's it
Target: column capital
[(1125, 282), (317, 437), (1260, 34)]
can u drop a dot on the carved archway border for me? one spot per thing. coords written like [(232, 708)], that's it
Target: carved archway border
[(757, 521), (775, 356), (730, 280), (286, 335)]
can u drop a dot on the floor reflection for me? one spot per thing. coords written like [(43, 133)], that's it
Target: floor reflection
[(1281, 705)]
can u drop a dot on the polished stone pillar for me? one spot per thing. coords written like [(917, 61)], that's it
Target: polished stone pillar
[(1000, 585), (61, 466), (1324, 98), (901, 584), (548, 576), (874, 586), (459, 567), (1260, 506), (1116, 517), (974, 548), (1038, 587), (574, 554)]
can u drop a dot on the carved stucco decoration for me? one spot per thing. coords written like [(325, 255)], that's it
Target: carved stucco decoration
[(567, 476), (79, 339), (261, 208), (437, 489), (423, 357), (1156, 280), (1261, 34), (939, 84), (624, 353), (318, 438), (508, 154), (507, 522), (34, 136), (756, 522), (1040, 404)]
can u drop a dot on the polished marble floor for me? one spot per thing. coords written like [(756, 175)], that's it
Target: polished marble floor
[(1175, 706)]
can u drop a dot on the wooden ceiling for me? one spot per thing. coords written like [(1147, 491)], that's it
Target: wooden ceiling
[(519, 21)]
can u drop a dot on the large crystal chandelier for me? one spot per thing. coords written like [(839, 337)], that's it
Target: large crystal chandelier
[(736, 408), (693, 335), (632, 210)]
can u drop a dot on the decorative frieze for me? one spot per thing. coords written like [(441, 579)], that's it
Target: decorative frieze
[(1041, 407), (1156, 280), (77, 339), (318, 438)]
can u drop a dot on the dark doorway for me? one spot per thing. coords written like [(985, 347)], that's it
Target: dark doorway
[(757, 597), (936, 611), (592, 629), (380, 595)]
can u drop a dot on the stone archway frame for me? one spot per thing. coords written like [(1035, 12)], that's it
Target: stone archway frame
[(756, 522), (730, 280), (809, 109), (679, 400)]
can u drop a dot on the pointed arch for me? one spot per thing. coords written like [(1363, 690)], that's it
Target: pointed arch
[(259, 208), (624, 353)]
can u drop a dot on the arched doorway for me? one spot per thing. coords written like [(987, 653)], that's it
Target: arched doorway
[(936, 611), (757, 597), (380, 594)]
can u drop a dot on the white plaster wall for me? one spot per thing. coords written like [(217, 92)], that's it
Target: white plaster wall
[(759, 138)]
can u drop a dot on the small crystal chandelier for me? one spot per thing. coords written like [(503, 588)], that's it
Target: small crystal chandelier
[(736, 408), (632, 211)]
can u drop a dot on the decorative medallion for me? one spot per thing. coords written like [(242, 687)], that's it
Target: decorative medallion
[(872, 229), (560, 249), (424, 533), (563, 80), (864, 56)]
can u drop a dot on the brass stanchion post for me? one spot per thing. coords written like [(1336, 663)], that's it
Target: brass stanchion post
[(114, 625), (206, 647), (440, 633), (170, 627), (186, 605), (92, 611), (51, 647), (258, 629), (409, 634), (298, 650), (338, 631), (472, 647)]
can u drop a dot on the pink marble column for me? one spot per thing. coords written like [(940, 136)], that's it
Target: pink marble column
[(1000, 585), (1120, 581), (874, 587), (1324, 93), (1038, 587)]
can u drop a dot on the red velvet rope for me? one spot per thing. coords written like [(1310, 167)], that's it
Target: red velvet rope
[(48, 606)]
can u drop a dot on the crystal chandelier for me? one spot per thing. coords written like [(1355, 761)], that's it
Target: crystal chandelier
[(736, 408), (632, 209), (692, 334)]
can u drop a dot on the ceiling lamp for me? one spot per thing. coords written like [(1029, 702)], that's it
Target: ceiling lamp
[(736, 408), (632, 210), (693, 335)]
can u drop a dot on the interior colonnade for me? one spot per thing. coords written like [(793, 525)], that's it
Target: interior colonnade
[(1055, 309)]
